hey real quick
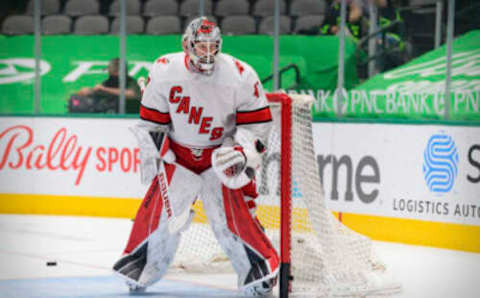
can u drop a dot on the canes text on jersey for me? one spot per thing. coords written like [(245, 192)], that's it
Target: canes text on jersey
[(194, 113)]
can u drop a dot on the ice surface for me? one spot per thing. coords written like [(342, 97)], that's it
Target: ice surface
[(85, 248)]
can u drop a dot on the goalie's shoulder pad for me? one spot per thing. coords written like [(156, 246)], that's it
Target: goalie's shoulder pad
[(162, 68), (240, 69)]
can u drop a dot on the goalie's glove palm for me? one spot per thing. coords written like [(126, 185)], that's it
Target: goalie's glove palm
[(237, 160), (229, 163)]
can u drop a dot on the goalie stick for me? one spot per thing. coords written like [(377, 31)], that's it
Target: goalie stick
[(154, 147), (133, 265), (175, 222)]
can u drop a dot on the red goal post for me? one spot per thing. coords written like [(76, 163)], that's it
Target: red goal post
[(285, 102)]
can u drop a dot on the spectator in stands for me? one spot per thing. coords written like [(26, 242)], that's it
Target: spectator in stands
[(391, 40), (390, 43), (331, 24), (104, 97)]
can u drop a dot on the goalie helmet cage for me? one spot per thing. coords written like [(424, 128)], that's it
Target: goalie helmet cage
[(320, 257)]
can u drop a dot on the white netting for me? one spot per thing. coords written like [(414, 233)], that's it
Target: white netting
[(327, 258), (331, 259)]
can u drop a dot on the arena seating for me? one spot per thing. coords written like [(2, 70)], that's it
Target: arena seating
[(159, 17)]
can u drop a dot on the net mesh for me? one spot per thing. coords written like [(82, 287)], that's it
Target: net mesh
[(327, 258)]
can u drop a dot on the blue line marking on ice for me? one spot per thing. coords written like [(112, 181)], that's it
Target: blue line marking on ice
[(104, 286)]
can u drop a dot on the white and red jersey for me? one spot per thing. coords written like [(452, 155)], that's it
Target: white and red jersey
[(201, 110)]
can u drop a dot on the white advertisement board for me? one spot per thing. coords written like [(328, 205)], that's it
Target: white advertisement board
[(69, 156), (410, 171)]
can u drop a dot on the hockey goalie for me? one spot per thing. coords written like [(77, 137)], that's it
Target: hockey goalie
[(204, 120)]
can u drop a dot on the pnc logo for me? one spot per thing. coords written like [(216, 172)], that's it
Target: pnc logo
[(20, 69), (440, 165)]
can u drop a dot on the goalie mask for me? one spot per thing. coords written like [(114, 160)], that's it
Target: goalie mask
[(202, 42)]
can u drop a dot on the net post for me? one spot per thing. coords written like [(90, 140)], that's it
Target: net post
[(286, 188), (285, 191)]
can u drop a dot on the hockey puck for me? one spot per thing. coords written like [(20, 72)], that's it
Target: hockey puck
[(51, 263)]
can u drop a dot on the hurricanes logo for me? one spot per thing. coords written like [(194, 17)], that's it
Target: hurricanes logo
[(440, 166), (20, 69)]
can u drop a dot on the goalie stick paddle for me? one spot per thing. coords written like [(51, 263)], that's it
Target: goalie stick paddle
[(175, 222), (158, 143)]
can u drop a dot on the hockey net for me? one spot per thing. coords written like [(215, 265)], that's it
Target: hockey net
[(324, 257)]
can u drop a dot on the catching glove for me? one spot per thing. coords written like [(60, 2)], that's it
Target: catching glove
[(235, 165)]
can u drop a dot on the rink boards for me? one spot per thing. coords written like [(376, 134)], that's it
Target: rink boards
[(410, 183)]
